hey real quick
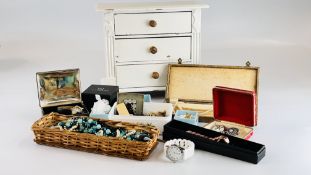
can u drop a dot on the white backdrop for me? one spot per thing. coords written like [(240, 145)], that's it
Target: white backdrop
[(49, 35)]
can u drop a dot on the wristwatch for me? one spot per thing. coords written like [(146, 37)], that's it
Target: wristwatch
[(178, 149)]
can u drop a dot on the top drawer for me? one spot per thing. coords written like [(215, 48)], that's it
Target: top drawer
[(152, 23)]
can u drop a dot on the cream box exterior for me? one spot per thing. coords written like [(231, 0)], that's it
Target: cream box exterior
[(143, 38)]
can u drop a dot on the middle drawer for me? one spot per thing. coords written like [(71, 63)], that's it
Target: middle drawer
[(152, 49)]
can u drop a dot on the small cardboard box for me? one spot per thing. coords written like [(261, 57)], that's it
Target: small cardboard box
[(234, 112), (149, 107), (193, 119), (189, 87), (59, 89)]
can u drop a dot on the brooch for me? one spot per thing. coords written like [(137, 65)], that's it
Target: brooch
[(226, 130)]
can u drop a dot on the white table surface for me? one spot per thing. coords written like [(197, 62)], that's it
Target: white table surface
[(283, 127)]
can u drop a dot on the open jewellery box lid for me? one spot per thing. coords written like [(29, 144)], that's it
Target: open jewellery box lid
[(235, 105), (192, 83), (61, 87)]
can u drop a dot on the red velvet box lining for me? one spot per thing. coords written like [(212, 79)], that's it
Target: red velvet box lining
[(235, 105)]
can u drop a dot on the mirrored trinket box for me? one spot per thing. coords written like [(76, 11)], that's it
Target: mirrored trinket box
[(59, 91)]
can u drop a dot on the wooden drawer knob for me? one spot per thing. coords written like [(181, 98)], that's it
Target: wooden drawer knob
[(155, 75), (153, 50), (152, 23)]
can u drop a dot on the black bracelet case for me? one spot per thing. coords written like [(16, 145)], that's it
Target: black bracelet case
[(237, 148)]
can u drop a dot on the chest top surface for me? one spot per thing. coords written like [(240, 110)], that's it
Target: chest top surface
[(150, 6)]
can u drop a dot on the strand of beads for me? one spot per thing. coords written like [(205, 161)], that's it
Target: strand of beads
[(90, 126)]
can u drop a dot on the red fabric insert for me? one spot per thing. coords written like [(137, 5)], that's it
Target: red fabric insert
[(235, 105)]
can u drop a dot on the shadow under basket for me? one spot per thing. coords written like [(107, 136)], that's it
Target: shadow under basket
[(111, 146)]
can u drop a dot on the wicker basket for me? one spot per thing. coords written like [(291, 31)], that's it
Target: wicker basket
[(111, 146)]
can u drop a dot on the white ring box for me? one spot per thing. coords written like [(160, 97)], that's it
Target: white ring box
[(157, 121)]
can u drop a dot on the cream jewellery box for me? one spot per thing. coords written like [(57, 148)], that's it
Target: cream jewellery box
[(190, 87), (143, 38)]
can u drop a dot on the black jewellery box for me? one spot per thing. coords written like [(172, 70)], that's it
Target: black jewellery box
[(59, 91), (109, 93), (236, 148)]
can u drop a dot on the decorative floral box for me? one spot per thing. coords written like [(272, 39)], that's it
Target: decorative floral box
[(189, 87), (149, 107), (59, 91), (234, 111), (187, 116)]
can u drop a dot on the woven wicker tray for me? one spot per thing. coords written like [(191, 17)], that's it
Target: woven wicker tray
[(111, 146)]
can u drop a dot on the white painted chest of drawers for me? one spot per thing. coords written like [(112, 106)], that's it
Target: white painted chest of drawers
[(142, 38)]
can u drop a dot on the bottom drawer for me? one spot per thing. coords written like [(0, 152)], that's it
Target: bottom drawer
[(135, 76)]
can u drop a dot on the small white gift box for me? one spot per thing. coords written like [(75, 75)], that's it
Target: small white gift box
[(149, 107)]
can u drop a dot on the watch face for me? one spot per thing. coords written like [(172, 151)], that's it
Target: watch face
[(174, 153)]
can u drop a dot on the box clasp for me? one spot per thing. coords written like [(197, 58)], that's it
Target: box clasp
[(248, 64), (179, 61)]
